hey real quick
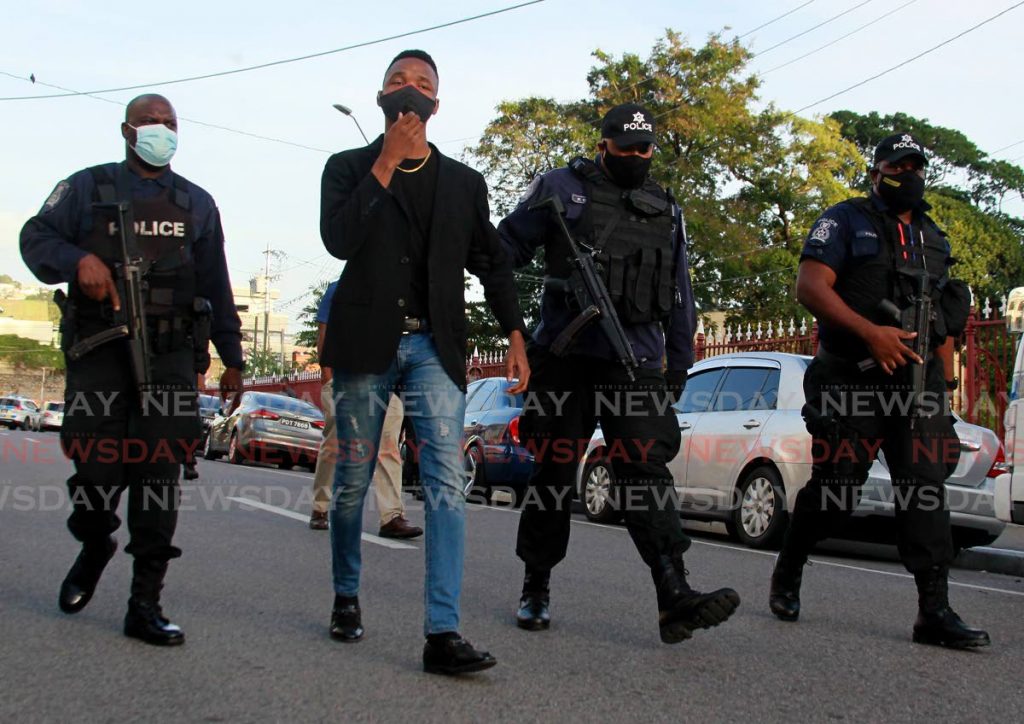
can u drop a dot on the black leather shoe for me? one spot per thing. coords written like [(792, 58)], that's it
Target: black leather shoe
[(145, 621), (189, 470), (80, 583), (533, 613), (784, 595), (318, 520), (454, 655), (945, 628), (346, 620)]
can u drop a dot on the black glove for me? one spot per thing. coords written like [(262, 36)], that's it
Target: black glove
[(675, 382)]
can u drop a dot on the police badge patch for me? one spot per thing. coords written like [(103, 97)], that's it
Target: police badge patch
[(821, 234), (59, 193)]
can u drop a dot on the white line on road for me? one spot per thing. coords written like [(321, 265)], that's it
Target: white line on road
[(305, 519), (31, 439), (814, 561)]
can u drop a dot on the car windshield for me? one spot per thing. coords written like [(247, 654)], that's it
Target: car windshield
[(209, 402), (55, 407)]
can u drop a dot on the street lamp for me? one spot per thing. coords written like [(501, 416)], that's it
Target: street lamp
[(348, 112)]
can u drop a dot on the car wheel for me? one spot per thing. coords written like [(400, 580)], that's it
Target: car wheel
[(24, 424), (759, 518), (598, 492), (234, 450), (964, 538), (476, 476), (286, 463)]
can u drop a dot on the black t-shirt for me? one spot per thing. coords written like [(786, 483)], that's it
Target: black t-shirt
[(416, 192)]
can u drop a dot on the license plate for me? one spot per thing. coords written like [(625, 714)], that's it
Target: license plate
[(300, 424)]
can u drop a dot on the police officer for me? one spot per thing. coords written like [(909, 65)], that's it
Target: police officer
[(121, 437), (635, 229), (859, 389)]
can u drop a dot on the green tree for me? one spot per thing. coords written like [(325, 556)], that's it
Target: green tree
[(307, 336), (956, 163), (264, 363)]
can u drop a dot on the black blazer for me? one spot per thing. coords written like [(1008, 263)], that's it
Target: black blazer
[(367, 226)]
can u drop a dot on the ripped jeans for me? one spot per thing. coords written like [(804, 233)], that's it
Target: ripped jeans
[(435, 406)]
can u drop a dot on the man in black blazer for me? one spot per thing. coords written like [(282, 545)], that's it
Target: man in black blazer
[(408, 221)]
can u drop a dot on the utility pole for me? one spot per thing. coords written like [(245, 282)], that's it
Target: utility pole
[(266, 300)]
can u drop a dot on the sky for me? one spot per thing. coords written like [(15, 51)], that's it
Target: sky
[(268, 192)]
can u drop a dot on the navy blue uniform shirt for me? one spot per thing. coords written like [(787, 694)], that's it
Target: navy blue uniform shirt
[(50, 246), (843, 233), (523, 231), (323, 312)]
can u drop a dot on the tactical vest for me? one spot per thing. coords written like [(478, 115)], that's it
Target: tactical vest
[(631, 233), (877, 253), (165, 234)]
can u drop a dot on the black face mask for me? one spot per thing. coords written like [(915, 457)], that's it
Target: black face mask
[(406, 99), (901, 192), (629, 172)]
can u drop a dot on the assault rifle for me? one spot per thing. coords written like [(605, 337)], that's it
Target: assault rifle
[(591, 295), (916, 317), (130, 321)]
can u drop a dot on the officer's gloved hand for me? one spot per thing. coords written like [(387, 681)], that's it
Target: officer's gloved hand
[(675, 381)]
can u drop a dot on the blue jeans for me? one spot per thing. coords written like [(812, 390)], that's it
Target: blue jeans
[(435, 406)]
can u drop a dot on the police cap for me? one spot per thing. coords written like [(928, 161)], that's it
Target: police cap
[(899, 145), (628, 124)]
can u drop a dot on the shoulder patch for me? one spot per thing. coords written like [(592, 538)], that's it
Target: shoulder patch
[(59, 192), (821, 234)]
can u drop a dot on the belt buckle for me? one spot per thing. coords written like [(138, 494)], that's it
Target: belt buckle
[(410, 325)]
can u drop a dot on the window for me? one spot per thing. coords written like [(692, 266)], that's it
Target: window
[(481, 396), (700, 388), (746, 388)]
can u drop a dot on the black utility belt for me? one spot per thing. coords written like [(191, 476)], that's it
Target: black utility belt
[(863, 365)]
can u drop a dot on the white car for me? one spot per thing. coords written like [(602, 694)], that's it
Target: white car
[(746, 453), (50, 417), (15, 411)]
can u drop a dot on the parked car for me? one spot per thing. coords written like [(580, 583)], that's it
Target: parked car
[(267, 428), (49, 417), (745, 454), (16, 410), (209, 408), (492, 454)]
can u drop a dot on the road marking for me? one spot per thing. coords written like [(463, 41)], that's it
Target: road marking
[(305, 519), (302, 476), (773, 554), (31, 439)]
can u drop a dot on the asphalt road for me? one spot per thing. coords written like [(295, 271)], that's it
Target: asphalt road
[(253, 594)]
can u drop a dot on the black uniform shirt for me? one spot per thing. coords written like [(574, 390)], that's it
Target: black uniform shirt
[(50, 245), (416, 192)]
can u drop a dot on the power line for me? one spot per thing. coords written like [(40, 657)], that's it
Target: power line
[(815, 27), (908, 60), (1015, 143), (284, 61), (780, 17), (183, 118), (840, 38)]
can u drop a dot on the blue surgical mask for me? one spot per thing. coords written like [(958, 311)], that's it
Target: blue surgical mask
[(155, 143)]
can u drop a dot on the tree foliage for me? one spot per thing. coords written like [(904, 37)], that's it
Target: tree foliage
[(29, 354), (750, 178)]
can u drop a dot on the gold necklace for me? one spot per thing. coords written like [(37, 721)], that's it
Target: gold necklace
[(422, 163)]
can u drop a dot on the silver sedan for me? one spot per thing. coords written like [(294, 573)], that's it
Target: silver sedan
[(746, 453)]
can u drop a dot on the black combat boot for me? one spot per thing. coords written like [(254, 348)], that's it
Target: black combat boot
[(937, 624), (784, 595), (145, 619), (346, 619), (682, 610), (533, 613), (80, 583)]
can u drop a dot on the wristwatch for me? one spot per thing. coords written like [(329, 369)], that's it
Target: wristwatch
[(953, 384)]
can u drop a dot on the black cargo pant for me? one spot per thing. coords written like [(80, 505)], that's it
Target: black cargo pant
[(566, 398), (851, 415), (117, 444)]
